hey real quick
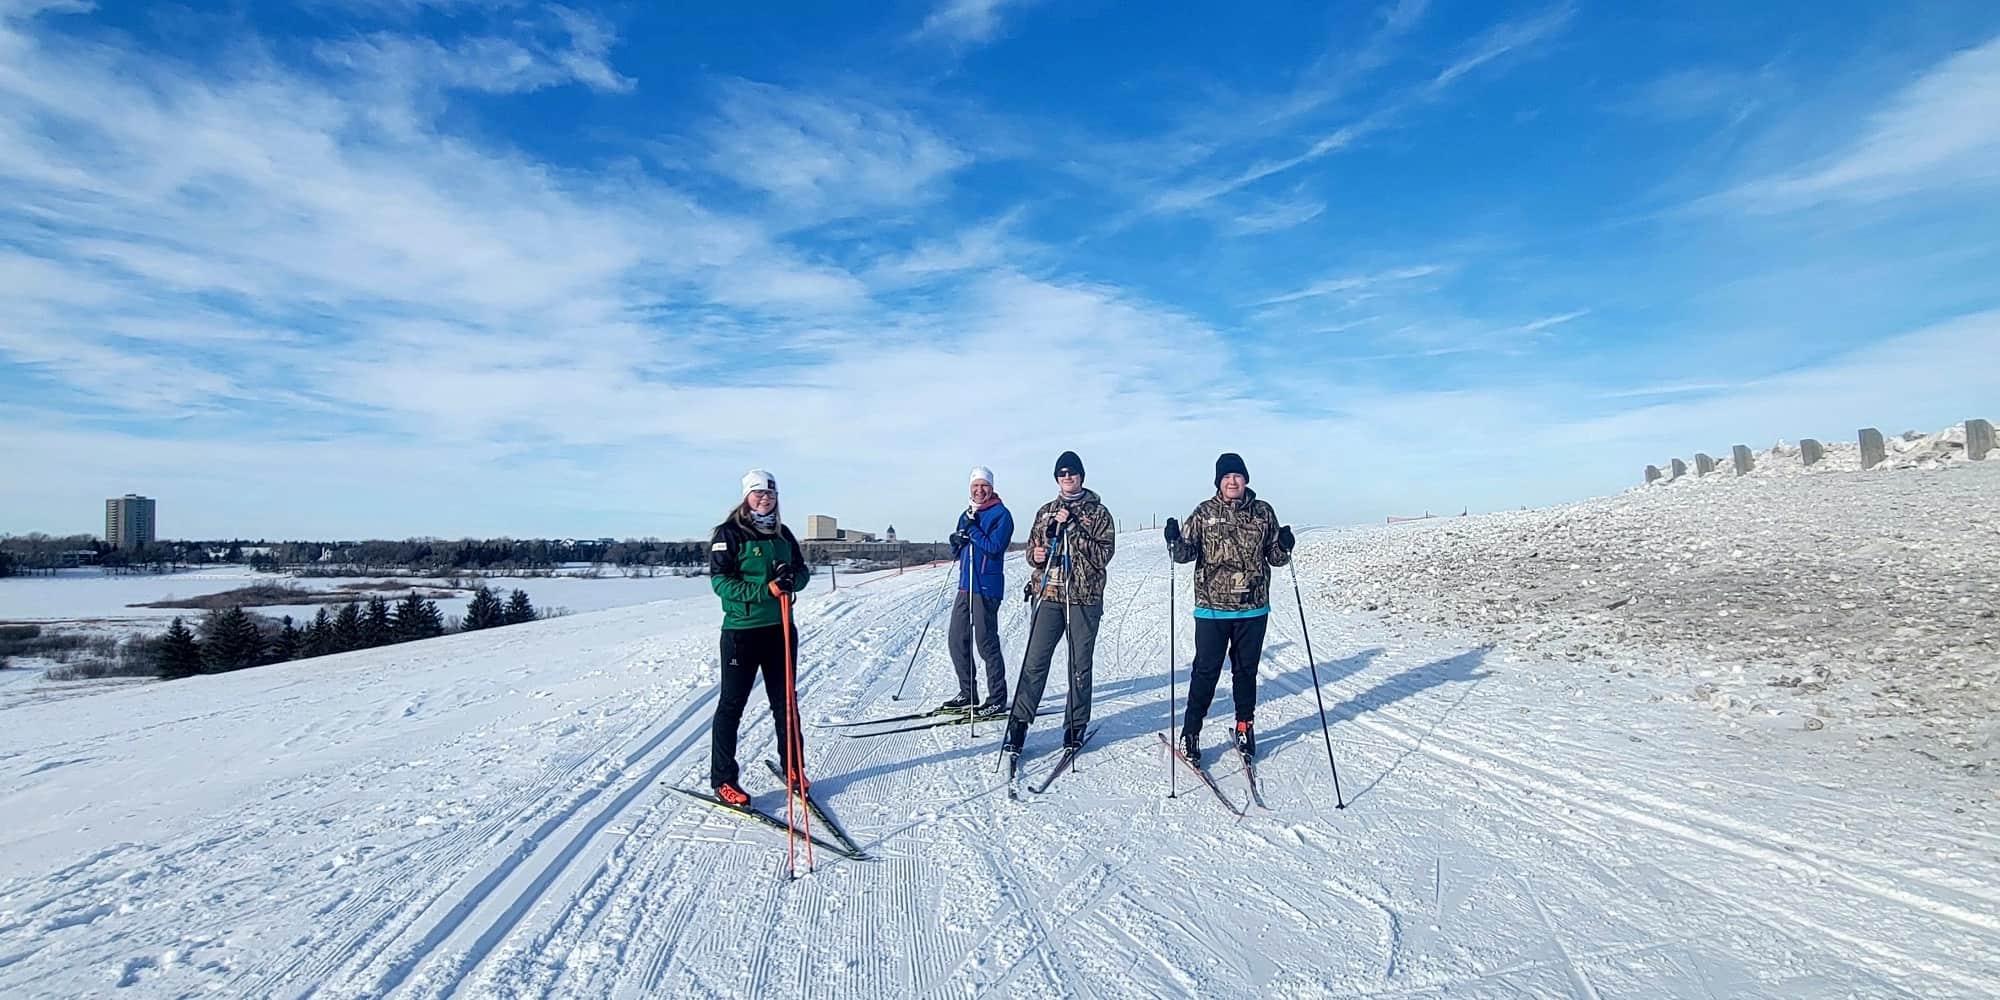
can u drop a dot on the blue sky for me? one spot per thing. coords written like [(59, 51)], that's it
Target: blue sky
[(390, 268)]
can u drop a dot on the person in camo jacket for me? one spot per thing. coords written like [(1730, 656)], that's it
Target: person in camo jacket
[(1233, 539), (1069, 546)]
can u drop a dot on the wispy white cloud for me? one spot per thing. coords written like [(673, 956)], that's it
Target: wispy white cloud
[(491, 64), (1489, 47), (1668, 389), (24, 9), (1941, 130), (825, 155), (1550, 322), (1499, 41), (1198, 193), (1704, 92), (154, 192), (966, 21), (1354, 285), (1273, 216), (987, 246)]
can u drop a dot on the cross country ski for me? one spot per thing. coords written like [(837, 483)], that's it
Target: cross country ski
[(839, 832), (1063, 762), (755, 815), (1202, 773)]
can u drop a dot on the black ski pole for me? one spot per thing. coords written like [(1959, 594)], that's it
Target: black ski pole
[(898, 696), (1338, 802), (1173, 651), (972, 626)]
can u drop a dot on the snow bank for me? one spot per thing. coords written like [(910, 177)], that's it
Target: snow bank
[(1828, 596)]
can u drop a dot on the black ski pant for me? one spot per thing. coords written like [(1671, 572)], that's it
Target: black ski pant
[(1243, 640), (977, 617), (746, 652), (1054, 620)]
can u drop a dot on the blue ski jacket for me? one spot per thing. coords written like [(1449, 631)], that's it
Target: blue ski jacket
[(986, 566)]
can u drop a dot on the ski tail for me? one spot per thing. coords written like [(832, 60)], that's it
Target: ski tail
[(762, 818), (1202, 773), (1256, 787), (820, 814), (1062, 763)]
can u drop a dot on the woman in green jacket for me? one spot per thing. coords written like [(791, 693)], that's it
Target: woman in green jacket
[(752, 558)]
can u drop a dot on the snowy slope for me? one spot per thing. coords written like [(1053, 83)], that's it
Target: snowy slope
[(1865, 602), (487, 815)]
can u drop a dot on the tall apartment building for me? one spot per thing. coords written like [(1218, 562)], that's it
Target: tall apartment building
[(128, 521)]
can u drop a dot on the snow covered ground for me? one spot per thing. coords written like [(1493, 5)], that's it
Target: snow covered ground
[(488, 815), (1863, 602)]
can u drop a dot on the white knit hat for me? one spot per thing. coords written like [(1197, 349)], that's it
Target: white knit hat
[(758, 479), (980, 472)]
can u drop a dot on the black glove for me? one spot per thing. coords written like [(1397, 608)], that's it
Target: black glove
[(959, 539), (786, 577), (1173, 531), (1285, 539)]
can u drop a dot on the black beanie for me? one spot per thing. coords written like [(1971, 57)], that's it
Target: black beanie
[(1230, 462), (1068, 460)]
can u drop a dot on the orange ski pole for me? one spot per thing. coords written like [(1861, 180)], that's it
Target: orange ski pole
[(795, 768)]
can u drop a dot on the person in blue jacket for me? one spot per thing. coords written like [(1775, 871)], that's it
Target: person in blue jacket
[(980, 546)]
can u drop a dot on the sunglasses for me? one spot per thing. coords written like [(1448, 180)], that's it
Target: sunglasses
[(1066, 473)]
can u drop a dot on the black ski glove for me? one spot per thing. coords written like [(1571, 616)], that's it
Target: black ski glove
[(1173, 531), (1285, 539), (785, 577), (959, 540)]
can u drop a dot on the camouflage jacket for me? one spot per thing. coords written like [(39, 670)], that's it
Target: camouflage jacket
[(1075, 568), (1233, 547)]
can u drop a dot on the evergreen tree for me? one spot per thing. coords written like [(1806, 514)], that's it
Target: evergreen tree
[(347, 628), (318, 638), (376, 627), (417, 618), (484, 610), (286, 645), (179, 653), (518, 608), (230, 641)]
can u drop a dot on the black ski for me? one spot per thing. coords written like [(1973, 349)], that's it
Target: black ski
[(759, 816), (1063, 762), (955, 720), (839, 832), (907, 716), (1202, 773), (1250, 774)]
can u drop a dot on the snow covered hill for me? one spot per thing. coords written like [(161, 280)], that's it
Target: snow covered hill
[(1864, 602), (488, 815)]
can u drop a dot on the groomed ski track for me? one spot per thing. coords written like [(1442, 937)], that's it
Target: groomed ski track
[(488, 815)]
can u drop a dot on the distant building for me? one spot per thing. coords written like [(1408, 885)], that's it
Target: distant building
[(891, 533), (128, 521), (822, 528)]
